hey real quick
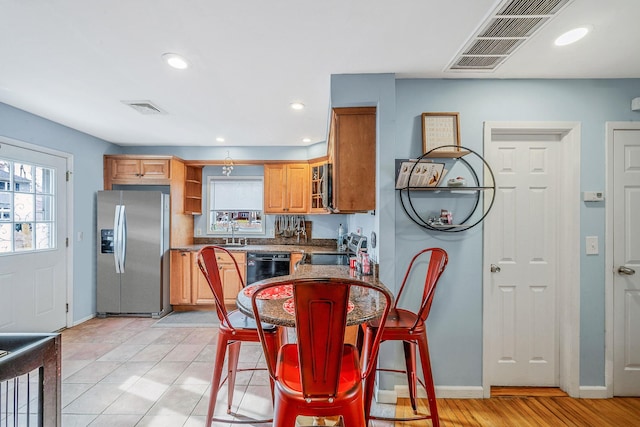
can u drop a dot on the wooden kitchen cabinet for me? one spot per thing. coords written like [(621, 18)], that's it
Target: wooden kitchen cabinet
[(317, 177), (189, 286), (286, 188), (180, 285), (295, 257), (193, 190), (138, 170), (351, 150)]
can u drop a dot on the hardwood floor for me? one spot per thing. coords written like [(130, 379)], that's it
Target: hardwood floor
[(540, 408)]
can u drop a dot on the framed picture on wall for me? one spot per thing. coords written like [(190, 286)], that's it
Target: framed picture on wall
[(440, 129)]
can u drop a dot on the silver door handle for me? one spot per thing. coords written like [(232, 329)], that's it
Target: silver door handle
[(495, 268), (626, 270)]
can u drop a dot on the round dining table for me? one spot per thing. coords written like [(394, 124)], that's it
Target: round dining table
[(277, 308)]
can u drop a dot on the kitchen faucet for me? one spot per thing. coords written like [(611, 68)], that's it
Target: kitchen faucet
[(233, 225)]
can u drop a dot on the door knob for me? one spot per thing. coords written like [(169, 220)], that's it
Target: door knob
[(495, 268), (626, 270)]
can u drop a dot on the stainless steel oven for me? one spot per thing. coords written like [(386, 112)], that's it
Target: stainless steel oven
[(262, 266)]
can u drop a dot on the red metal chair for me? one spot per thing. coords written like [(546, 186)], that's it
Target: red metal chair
[(234, 329), (410, 328), (320, 375)]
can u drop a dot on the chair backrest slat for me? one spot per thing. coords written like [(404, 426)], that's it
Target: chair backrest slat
[(321, 313), (437, 263)]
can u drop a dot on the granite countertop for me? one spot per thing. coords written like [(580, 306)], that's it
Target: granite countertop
[(368, 304), (264, 248)]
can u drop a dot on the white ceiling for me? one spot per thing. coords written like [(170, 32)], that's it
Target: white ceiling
[(74, 61)]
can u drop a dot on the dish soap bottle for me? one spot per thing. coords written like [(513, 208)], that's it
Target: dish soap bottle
[(340, 238)]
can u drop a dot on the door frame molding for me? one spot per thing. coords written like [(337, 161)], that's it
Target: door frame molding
[(568, 274), (69, 207), (608, 249)]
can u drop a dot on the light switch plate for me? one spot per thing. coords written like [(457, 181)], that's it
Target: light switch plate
[(591, 243), (593, 196)]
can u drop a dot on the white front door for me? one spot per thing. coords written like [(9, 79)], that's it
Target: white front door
[(527, 272), (33, 254), (626, 262)]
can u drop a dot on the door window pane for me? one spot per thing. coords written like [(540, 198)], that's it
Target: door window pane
[(6, 238), (23, 207), (23, 236), (44, 235), (27, 206)]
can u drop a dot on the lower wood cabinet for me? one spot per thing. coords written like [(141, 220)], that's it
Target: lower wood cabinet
[(189, 286), (295, 257)]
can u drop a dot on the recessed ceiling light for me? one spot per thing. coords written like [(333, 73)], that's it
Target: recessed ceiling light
[(572, 36), (220, 139), (306, 140), (176, 61), (297, 105)]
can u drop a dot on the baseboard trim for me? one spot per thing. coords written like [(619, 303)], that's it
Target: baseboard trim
[(442, 392), (79, 321), (459, 392), (593, 392), (468, 392)]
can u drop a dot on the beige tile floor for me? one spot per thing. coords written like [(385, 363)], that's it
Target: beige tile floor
[(126, 371)]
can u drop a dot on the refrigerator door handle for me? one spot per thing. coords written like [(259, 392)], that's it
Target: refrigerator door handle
[(120, 238)]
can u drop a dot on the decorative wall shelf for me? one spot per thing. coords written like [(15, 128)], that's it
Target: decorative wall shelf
[(416, 191)]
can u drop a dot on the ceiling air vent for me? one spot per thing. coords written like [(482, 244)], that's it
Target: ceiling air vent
[(511, 25), (144, 107)]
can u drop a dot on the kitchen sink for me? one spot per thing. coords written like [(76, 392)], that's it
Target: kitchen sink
[(232, 245)]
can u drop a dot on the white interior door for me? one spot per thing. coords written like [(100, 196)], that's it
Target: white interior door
[(33, 254), (626, 262), (520, 245)]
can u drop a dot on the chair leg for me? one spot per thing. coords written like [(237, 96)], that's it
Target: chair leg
[(369, 382), (221, 351), (428, 379), (410, 364), (232, 367)]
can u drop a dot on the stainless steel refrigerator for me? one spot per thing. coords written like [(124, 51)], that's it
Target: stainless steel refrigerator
[(133, 253)]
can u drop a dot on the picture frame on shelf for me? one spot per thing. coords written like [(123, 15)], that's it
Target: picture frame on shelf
[(421, 175), (440, 129)]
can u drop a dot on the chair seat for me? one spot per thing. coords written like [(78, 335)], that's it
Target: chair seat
[(398, 321), (240, 321), (288, 369)]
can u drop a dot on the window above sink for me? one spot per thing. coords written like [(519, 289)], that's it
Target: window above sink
[(235, 205)]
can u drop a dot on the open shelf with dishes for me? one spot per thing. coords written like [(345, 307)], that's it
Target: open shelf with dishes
[(446, 193)]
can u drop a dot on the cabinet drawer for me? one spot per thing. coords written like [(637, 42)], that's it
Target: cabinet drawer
[(240, 257)]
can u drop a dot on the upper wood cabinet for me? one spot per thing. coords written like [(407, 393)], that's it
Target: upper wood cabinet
[(351, 151), (138, 170), (317, 177), (286, 188)]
